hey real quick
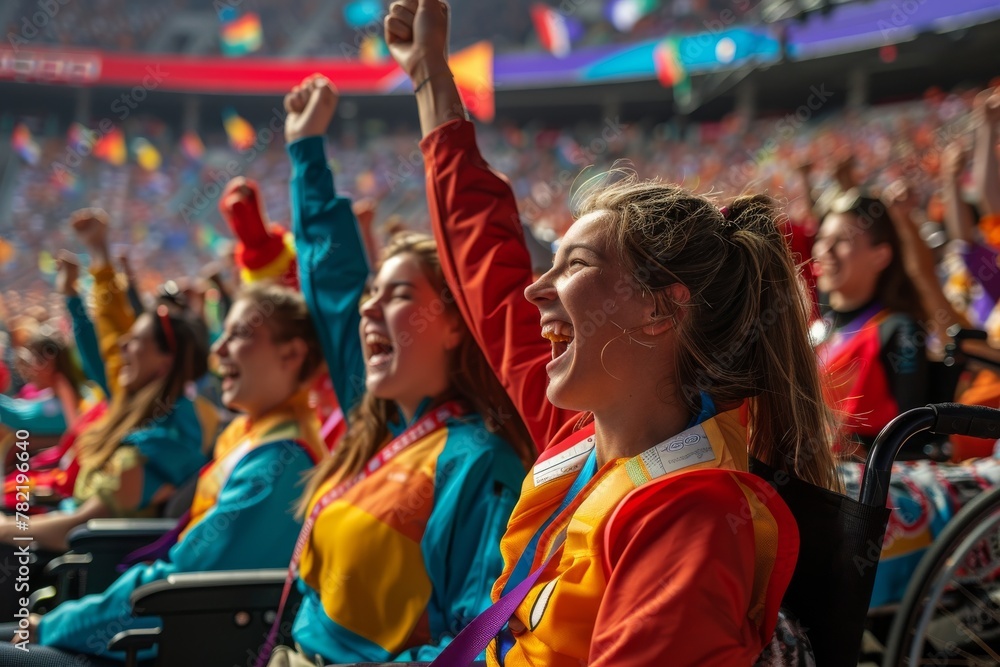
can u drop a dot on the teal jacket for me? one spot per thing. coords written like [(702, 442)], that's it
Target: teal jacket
[(476, 475), (258, 496)]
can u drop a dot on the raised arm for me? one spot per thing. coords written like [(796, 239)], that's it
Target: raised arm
[(333, 269), (958, 220), (474, 216), (83, 329), (112, 314), (985, 169)]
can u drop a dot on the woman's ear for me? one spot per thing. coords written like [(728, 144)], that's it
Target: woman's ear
[(881, 257), (296, 351), (667, 309), (455, 332)]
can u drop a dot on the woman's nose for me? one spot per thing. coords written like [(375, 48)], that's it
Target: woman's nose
[(540, 290)]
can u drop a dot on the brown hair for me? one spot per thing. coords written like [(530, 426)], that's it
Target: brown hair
[(894, 288), (286, 315), (129, 411), (471, 380), (45, 346), (744, 331)]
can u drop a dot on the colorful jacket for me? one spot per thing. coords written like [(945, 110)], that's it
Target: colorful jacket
[(395, 568), (687, 570), (875, 367), (171, 448), (254, 507)]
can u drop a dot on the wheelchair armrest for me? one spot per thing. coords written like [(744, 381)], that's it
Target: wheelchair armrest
[(68, 562), (133, 641), (209, 592), (238, 607), (103, 531), (42, 600)]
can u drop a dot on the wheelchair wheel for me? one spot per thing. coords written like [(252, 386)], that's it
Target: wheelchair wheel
[(950, 614)]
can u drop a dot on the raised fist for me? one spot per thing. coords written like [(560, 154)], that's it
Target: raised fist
[(364, 211), (953, 160), (416, 32), (68, 271), (91, 227), (310, 106)]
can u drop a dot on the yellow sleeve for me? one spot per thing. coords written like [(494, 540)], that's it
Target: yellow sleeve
[(113, 317)]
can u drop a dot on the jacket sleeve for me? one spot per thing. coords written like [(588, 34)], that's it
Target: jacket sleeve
[(475, 492), (113, 317), (333, 268), (486, 263), (254, 507), (86, 343), (687, 557), (39, 416)]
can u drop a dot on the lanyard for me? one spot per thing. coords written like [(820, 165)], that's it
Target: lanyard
[(421, 428)]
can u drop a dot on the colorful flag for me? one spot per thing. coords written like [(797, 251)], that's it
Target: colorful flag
[(80, 138), (191, 146), (241, 36), (65, 181), (473, 70), (670, 69), (624, 14), (373, 49), (111, 148), (241, 133), (556, 31), (25, 145), (146, 154)]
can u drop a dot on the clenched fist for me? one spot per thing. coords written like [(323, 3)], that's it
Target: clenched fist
[(416, 32), (310, 108)]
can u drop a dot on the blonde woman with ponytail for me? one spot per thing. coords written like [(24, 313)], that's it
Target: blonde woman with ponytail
[(639, 538)]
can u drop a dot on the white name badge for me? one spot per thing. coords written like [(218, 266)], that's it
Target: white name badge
[(563, 463), (681, 451)]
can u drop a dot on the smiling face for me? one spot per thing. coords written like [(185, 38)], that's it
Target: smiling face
[(407, 333), (845, 260), (143, 361), (606, 340), (258, 372)]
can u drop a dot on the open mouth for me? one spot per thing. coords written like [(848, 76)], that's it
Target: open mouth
[(229, 375), (379, 348), (560, 335)]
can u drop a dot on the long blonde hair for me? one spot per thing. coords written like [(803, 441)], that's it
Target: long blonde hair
[(471, 380), (744, 330)]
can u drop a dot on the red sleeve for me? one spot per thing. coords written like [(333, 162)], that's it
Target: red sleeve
[(696, 577), (487, 266)]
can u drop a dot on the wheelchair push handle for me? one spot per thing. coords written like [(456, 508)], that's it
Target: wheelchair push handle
[(973, 420), (941, 418)]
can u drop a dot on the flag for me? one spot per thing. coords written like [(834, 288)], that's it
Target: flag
[(473, 70), (146, 154), (241, 133), (241, 36), (46, 263), (192, 147), (65, 181), (25, 145), (80, 138), (670, 69), (556, 32), (373, 49), (111, 147), (360, 13), (624, 14)]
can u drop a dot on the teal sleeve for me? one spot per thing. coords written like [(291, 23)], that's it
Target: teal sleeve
[(86, 343), (252, 526), (333, 267), (476, 488), (171, 447), (38, 416)]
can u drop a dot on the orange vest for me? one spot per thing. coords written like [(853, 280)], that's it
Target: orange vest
[(554, 624)]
